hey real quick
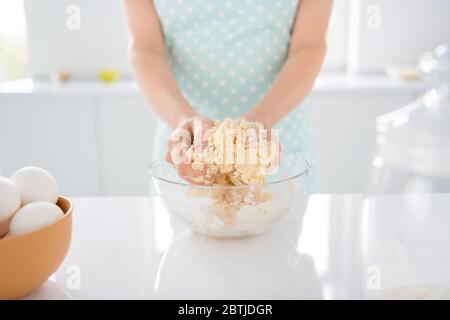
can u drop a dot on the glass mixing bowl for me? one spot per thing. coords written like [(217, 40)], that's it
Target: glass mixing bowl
[(233, 211)]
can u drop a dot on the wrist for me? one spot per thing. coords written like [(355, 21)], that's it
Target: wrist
[(183, 116), (262, 117)]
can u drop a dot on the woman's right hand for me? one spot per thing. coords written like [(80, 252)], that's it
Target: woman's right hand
[(192, 130)]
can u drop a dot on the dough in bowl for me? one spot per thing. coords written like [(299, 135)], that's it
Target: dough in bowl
[(238, 152)]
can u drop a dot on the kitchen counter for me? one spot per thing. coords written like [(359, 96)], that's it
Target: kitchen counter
[(326, 83), (131, 248)]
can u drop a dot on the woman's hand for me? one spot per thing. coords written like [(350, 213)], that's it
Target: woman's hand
[(272, 135), (191, 131)]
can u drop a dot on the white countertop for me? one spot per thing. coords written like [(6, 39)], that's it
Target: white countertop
[(326, 83), (131, 248)]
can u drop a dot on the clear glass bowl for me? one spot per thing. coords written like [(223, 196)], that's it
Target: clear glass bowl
[(233, 211)]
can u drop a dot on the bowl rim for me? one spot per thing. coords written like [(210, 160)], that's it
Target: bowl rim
[(185, 184), (66, 215)]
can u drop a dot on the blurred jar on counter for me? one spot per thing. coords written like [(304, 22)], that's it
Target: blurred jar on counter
[(406, 221)]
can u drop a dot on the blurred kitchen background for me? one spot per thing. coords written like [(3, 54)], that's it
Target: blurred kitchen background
[(97, 137)]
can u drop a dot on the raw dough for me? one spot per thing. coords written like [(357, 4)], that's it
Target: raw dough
[(237, 153)]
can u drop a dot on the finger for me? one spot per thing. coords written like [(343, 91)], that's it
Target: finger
[(197, 129), (178, 145), (207, 133), (202, 131), (178, 155), (168, 158), (196, 183), (181, 135), (185, 170), (249, 136)]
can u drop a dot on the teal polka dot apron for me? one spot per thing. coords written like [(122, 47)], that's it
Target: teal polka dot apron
[(225, 54)]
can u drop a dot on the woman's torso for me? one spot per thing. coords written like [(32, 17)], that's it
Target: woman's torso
[(226, 53)]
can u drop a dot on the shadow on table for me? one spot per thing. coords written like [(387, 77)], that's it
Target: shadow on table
[(263, 267)]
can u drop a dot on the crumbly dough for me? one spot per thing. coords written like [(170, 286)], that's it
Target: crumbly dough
[(232, 159), (227, 202), (237, 153)]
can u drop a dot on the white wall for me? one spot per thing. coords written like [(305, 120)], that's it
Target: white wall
[(406, 29), (57, 133), (336, 58), (101, 42), (126, 128), (344, 132)]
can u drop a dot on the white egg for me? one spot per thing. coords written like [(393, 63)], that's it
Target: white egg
[(34, 216), (35, 184), (9, 199)]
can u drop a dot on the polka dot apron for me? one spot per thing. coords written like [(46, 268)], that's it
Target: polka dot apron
[(225, 54)]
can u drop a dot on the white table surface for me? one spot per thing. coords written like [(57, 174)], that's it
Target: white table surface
[(326, 83), (131, 248)]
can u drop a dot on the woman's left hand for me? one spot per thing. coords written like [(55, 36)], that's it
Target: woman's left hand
[(272, 134)]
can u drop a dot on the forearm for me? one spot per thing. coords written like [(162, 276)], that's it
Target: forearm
[(159, 88), (291, 86)]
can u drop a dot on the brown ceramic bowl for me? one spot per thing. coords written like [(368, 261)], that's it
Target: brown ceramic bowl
[(28, 260)]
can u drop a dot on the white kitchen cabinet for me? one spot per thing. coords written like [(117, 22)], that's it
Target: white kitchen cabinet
[(127, 130), (344, 135), (53, 132)]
